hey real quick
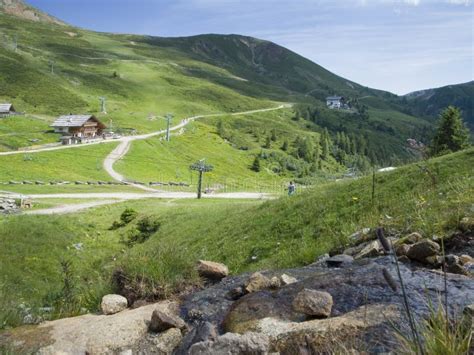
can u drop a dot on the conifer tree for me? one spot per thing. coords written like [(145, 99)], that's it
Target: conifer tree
[(284, 147), (451, 135), (256, 164)]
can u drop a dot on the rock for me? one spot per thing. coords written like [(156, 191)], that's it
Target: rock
[(464, 259), (161, 321), (339, 260), (423, 249), (321, 259), (202, 331), (413, 238), (257, 282), (456, 268), (233, 344), (434, 260), (467, 224), (275, 282), (313, 303), (361, 236), (112, 304), (212, 270), (352, 251), (287, 279), (469, 267), (402, 249), (87, 334), (236, 293), (167, 341), (451, 259), (404, 259), (372, 249)]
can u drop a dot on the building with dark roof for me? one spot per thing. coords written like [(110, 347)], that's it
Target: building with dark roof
[(77, 128), (7, 110), (334, 101)]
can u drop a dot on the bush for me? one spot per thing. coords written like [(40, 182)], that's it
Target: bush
[(145, 228), (127, 216)]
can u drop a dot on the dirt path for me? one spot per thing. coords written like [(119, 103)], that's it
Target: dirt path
[(109, 198), (122, 149)]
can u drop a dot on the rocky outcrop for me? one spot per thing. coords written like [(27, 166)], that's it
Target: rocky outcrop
[(112, 304), (162, 320)]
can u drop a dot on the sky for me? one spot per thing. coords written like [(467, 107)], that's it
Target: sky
[(395, 45)]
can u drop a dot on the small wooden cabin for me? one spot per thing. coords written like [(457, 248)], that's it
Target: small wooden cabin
[(76, 128), (7, 110)]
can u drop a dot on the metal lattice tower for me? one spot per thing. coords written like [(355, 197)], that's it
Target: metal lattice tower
[(201, 167), (102, 104)]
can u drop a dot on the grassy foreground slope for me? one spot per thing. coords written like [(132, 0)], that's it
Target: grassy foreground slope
[(430, 197)]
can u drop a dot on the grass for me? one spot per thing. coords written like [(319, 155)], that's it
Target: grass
[(245, 235), (81, 163)]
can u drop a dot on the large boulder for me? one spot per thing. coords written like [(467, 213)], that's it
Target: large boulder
[(233, 344), (212, 270), (166, 342), (423, 249), (313, 303), (162, 320), (87, 334), (112, 304)]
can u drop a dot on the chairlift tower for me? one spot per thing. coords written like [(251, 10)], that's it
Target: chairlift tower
[(51, 64), (201, 167), (168, 118), (102, 104)]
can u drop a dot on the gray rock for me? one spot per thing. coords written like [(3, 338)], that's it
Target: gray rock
[(112, 304), (313, 303), (233, 344), (339, 260), (413, 238), (212, 270), (161, 321), (202, 331), (402, 249), (275, 282), (423, 249), (236, 293), (166, 342)]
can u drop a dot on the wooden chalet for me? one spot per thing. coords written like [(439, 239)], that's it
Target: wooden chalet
[(77, 128), (7, 110)]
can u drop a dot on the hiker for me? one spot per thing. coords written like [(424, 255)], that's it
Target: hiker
[(291, 188)]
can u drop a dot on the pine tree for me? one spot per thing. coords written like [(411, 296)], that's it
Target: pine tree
[(451, 135), (256, 164), (273, 136), (284, 147), (268, 143)]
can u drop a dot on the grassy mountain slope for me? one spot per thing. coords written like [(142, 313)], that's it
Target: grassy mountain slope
[(429, 103), (245, 235)]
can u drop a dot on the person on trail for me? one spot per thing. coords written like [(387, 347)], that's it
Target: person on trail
[(291, 188)]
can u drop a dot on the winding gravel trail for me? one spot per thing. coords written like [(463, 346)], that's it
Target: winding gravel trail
[(121, 150)]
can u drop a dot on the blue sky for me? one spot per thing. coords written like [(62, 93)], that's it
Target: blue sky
[(395, 45)]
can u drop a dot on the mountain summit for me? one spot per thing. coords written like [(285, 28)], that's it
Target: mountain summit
[(20, 9)]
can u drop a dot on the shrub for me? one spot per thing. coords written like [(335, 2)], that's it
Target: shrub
[(145, 228)]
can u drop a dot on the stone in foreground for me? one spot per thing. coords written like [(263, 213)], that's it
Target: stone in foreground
[(161, 321), (287, 279), (423, 249), (339, 260), (112, 304), (233, 344), (313, 303), (257, 282), (212, 270)]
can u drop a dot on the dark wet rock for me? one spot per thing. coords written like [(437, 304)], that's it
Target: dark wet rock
[(313, 303), (233, 344), (212, 270), (236, 293), (161, 321), (423, 249), (339, 260)]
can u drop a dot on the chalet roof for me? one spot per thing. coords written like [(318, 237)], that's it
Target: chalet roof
[(4, 108), (73, 120), (331, 98)]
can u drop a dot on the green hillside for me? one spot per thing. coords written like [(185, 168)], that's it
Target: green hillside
[(430, 198), (57, 69), (429, 103)]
